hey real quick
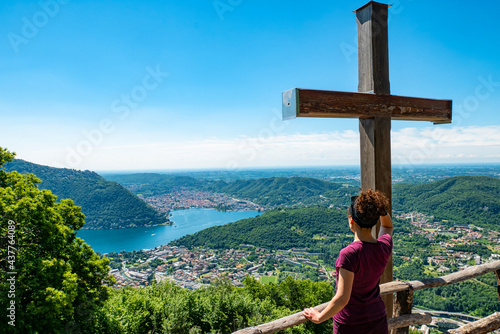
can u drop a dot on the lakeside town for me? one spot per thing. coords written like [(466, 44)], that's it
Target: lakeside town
[(188, 199), (193, 268)]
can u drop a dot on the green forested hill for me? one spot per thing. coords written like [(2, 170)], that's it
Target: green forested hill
[(459, 200), (316, 228), (462, 199), (283, 191), (269, 192), (105, 204)]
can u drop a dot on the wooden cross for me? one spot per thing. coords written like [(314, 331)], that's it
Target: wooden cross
[(373, 105)]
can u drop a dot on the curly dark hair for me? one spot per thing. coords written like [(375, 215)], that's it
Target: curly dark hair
[(370, 205)]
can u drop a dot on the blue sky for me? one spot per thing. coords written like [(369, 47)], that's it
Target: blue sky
[(130, 85)]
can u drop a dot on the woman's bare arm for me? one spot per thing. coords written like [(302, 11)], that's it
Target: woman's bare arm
[(385, 225), (338, 302)]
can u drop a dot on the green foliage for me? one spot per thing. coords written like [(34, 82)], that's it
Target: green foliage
[(290, 293), (58, 278), (479, 249), (219, 308), (414, 245), (410, 270), (5, 156), (105, 204), (471, 297)]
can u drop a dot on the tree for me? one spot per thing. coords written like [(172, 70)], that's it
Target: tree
[(53, 280)]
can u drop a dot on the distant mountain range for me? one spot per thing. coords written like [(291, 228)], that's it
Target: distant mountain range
[(105, 204), (286, 191), (460, 199), (269, 192), (457, 200)]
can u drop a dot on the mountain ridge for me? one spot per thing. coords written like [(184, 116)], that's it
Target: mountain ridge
[(281, 191), (106, 204), (469, 199), (457, 200)]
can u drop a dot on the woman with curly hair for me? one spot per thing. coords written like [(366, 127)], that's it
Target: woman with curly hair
[(357, 306)]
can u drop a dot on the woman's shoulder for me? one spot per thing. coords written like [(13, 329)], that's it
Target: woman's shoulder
[(348, 257), (385, 239)]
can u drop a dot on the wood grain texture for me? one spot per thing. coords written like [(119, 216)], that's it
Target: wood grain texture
[(403, 305), (373, 48), (409, 319), (497, 273), (297, 319), (485, 325), (335, 104), (453, 278), (374, 129)]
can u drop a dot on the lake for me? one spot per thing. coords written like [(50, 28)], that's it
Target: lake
[(186, 222)]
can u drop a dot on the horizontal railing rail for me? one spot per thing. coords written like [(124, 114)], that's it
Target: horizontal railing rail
[(485, 325), (453, 278)]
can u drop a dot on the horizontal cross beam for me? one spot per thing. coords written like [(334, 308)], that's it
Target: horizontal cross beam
[(299, 102)]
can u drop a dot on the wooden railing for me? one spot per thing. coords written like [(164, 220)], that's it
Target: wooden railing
[(403, 316)]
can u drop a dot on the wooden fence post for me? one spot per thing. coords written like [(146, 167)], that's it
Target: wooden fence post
[(403, 305), (497, 272)]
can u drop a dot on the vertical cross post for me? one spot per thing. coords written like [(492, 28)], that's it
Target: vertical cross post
[(373, 105), (375, 132)]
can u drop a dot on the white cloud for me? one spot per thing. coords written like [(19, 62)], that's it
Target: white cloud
[(446, 145), (409, 145)]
